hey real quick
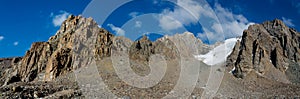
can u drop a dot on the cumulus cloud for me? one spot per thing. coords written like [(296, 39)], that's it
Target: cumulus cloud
[(217, 22), (288, 22), (60, 18), (229, 25), (190, 13), (16, 43), (233, 25), (138, 24), (168, 23), (117, 30), (1, 38)]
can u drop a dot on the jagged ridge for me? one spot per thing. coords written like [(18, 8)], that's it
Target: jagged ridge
[(269, 49), (80, 41)]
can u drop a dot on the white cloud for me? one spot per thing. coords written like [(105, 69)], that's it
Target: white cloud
[(155, 2), (133, 14), (230, 25), (233, 25), (168, 23), (288, 22), (60, 18), (220, 21), (51, 14), (1, 38), (138, 24), (117, 30), (217, 22), (16, 43), (196, 9), (190, 13)]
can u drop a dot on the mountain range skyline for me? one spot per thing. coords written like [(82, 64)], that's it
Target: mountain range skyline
[(81, 55), (37, 21), (123, 49)]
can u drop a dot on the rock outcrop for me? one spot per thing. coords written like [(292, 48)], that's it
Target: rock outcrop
[(34, 61), (142, 49), (268, 49), (6, 66), (78, 38), (80, 42)]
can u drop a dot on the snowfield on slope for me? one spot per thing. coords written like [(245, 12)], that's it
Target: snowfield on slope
[(219, 54)]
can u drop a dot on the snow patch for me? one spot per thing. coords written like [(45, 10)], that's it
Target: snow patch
[(233, 69), (219, 53)]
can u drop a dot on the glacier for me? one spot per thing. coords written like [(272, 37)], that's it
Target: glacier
[(218, 54)]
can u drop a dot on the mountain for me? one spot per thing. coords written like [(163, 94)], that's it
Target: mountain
[(80, 43), (264, 63), (270, 49), (151, 36), (84, 61)]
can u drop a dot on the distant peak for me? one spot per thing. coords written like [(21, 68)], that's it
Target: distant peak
[(276, 23), (188, 33), (72, 23), (144, 39)]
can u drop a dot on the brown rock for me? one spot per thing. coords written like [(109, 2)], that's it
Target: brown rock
[(76, 39), (34, 61), (142, 49), (6, 66), (266, 48), (59, 63)]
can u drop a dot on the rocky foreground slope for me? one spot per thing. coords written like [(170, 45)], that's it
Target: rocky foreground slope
[(73, 61), (77, 44)]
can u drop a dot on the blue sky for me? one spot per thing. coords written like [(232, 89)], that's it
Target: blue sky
[(23, 22)]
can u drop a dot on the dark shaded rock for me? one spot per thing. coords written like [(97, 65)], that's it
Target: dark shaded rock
[(141, 49), (59, 63), (13, 79), (15, 60), (266, 48), (34, 61), (104, 43), (6, 70)]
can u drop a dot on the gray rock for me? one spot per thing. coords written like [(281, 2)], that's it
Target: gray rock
[(267, 49)]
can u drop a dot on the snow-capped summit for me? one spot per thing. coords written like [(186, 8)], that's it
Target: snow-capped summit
[(219, 53)]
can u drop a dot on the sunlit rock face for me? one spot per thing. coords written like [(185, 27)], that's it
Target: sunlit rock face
[(270, 49)]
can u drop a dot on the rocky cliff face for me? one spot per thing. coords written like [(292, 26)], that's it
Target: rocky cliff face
[(80, 41), (6, 65), (48, 60), (270, 50)]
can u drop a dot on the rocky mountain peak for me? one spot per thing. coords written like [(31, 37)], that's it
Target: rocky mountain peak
[(80, 41), (48, 60), (72, 23), (141, 49), (268, 49)]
